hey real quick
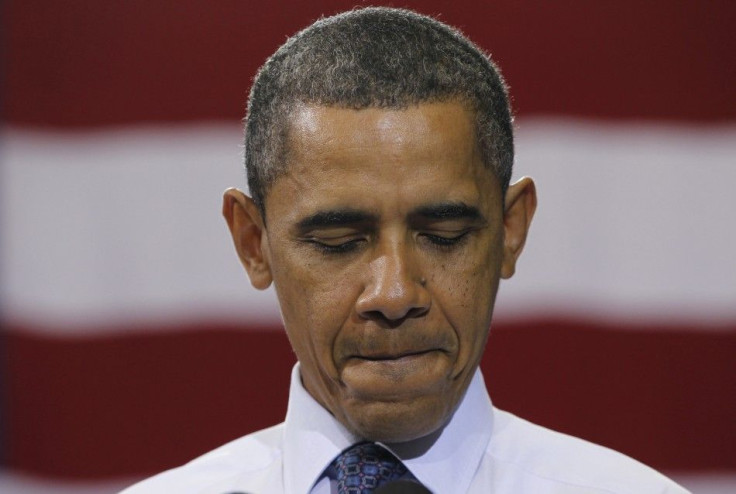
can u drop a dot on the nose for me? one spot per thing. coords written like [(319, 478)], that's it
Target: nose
[(395, 289)]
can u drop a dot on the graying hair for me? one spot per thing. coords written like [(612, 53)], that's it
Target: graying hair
[(373, 57)]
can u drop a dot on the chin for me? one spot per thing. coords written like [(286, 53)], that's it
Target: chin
[(397, 422)]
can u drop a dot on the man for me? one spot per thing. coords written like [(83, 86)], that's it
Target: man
[(379, 150)]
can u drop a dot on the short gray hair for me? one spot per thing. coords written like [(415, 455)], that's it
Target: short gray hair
[(373, 57)]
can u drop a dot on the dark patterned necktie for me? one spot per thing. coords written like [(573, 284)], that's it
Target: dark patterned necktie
[(365, 466)]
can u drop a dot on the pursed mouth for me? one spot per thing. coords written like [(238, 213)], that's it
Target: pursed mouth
[(380, 357)]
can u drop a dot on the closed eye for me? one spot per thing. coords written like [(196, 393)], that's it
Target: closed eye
[(446, 241), (338, 245)]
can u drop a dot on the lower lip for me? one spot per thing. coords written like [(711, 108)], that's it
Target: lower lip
[(409, 357), (412, 372)]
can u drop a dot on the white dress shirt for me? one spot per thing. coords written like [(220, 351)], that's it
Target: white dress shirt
[(481, 450)]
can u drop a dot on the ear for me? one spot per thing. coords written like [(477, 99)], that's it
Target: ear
[(519, 206), (248, 232)]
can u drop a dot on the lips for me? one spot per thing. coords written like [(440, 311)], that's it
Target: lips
[(395, 375), (394, 355), (376, 343)]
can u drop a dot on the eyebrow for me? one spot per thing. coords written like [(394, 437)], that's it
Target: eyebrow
[(448, 211), (334, 218)]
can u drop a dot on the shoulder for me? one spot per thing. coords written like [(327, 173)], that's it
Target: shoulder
[(254, 458), (543, 456)]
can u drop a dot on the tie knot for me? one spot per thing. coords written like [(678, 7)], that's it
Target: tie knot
[(365, 466)]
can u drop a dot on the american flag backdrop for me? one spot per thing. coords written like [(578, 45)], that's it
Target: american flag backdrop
[(131, 340)]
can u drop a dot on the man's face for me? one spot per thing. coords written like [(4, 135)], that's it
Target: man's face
[(385, 242)]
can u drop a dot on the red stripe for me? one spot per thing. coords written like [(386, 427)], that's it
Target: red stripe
[(86, 63), (139, 403)]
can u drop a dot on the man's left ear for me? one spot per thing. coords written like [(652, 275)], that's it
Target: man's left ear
[(519, 206)]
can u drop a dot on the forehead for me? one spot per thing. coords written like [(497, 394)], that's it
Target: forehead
[(374, 155), (427, 127)]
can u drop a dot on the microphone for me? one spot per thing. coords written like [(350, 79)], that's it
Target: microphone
[(402, 487)]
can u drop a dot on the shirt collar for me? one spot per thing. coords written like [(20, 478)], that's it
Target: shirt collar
[(445, 461), (312, 438), (454, 456)]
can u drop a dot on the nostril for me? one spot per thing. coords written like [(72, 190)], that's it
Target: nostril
[(416, 312), (394, 289), (385, 320)]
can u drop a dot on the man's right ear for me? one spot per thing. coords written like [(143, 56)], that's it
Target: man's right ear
[(248, 232)]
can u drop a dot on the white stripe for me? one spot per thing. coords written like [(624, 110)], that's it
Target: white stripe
[(122, 227), (119, 227), (635, 222)]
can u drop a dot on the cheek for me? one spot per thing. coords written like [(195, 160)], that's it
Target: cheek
[(466, 292), (315, 300), (315, 307), (469, 275)]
